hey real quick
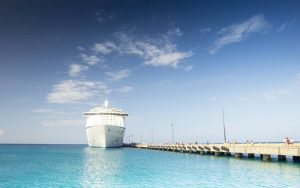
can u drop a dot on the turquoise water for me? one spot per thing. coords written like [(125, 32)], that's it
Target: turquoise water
[(80, 166)]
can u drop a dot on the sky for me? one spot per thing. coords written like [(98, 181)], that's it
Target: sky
[(163, 62)]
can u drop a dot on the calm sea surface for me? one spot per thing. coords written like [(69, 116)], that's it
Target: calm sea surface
[(80, 166)]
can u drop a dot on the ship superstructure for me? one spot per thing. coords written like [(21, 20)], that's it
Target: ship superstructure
[(105, 126)]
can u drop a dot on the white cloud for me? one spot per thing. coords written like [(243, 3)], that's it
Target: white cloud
[(69, 91), (125, 89), (166, 56), (104, 48), (65, 122), (238, 32), (76, 69), (1, 132), (156, 52), (119, 75), (90, 60)]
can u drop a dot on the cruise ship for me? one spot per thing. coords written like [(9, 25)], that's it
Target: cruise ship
[(105, 126)]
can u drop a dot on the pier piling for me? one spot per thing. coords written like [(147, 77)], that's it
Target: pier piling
[(251, 155), (265, 157), (281, 158), (296, 158), (238, 155)]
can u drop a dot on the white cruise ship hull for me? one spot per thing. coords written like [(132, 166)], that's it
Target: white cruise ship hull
[(105, 136)]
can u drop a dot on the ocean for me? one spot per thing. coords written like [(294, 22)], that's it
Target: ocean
[(81, 166)]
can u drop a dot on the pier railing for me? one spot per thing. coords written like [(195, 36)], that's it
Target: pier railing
[(265, 151)]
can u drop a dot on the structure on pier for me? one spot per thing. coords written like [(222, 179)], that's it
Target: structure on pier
[(265, 151)]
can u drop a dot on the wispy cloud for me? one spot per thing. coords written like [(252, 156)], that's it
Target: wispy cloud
[(204, 30), (91, 60), (1, 132), (103, 16), (125, 89), (164, 83), (242, 99), (298, 76), (187, 68), (101, 19), (284, 26), (238, 32), (166, 56), (105, 48), (214, 99), (160, 51), (42, 110), (156, 52), (269, 96), (76, 69), (281, 28), (69, 91), (118, 75), (80, 48), (171, 33)]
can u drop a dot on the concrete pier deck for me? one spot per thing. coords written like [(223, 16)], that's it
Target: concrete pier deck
[(265, 151)]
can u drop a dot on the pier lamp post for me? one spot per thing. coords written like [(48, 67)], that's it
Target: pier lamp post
[(224, 129), (151, 136), (172, 133)]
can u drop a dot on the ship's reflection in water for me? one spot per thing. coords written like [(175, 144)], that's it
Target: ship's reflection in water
[(129, 167), (101, 166)]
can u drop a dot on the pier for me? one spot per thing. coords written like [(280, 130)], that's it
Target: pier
[(265, 151)]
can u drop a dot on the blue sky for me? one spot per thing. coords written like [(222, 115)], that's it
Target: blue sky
[(163, 62)]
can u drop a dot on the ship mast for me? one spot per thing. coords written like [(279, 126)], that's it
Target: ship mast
[(106, 103)]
